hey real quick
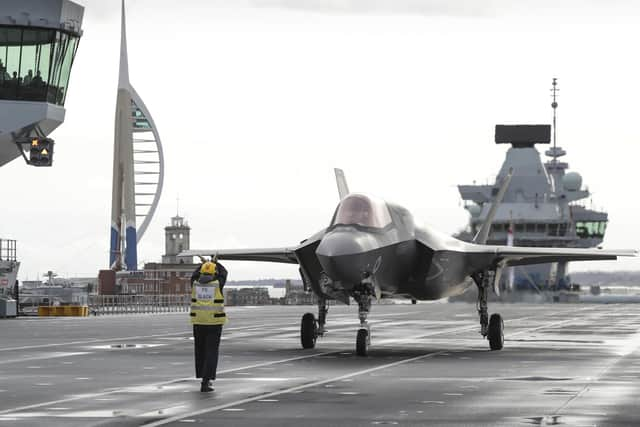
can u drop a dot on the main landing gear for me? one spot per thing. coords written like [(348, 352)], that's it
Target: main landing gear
[(310, 329), (492, 327)]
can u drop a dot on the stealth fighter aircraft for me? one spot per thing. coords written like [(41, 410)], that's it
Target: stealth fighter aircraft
[(374, 249)]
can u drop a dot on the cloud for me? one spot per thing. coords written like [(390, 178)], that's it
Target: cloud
[(384, 7)]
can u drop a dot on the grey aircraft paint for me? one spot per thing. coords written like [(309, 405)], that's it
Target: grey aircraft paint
[(402, 258), (397, 258)]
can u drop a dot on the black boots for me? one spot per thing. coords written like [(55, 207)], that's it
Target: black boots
[(205, 386)]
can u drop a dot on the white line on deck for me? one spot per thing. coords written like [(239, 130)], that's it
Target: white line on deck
[(125, 389), (291, 389)]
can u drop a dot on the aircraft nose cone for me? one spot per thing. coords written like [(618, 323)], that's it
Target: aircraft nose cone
[(342, 252), (339, 243)]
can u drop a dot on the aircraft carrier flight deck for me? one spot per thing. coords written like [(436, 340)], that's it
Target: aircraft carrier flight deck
[(564, 364)]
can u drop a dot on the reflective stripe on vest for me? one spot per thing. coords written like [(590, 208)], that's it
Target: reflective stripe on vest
[(207, 304), (207, 308)]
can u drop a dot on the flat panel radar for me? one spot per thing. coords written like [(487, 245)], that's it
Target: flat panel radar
[(523, 135), (542, 206)]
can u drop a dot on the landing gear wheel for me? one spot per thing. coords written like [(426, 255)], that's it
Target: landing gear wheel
[(496, 332), (414, 301), (362, 342), (308, 331)]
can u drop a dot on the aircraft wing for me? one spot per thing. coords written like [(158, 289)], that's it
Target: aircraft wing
[(283, 255), (510, 256)]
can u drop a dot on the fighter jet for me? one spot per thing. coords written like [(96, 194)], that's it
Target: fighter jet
[(374, 249)]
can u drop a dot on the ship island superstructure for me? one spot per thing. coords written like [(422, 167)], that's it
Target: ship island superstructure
[(540, 208)]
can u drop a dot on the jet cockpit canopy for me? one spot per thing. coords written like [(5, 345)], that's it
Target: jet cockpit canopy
[(363, 210)]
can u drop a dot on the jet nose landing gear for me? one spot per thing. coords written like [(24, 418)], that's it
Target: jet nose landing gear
[(363, 338)]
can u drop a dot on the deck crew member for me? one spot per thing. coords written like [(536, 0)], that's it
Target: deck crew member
[(207, 316)]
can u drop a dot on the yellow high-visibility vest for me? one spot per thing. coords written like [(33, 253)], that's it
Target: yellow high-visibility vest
[(207, 304)]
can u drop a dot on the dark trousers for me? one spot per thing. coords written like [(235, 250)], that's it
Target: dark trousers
[(207, 341)]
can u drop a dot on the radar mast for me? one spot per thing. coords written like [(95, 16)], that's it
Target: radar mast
[(555, 169), (554, 105), (538, 208)]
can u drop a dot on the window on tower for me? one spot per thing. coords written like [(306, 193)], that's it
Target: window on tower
[(35, 63)]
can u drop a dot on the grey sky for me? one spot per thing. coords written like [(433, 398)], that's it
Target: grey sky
[(256, 101), (468, 8)]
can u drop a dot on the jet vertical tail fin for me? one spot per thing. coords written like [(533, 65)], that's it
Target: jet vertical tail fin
[(483, 233), (343, 188)]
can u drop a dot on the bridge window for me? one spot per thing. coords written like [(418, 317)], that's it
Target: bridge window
[(589, 230), (35, 64), (562, 230)]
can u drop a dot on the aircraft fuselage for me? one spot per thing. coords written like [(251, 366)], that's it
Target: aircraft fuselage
[(391, 259)]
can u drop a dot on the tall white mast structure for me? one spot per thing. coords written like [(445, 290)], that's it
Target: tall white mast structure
[(138, 168)]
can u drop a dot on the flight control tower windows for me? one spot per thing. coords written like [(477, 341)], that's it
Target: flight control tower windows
[(35, 64)]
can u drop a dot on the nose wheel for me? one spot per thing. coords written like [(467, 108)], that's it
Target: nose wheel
[(363, 338)]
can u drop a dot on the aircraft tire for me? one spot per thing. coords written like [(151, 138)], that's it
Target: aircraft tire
[(414, 301), (308, 331), (496, 332), (362, 342)]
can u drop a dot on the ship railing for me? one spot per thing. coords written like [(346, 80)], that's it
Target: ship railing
[(138, 304)]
